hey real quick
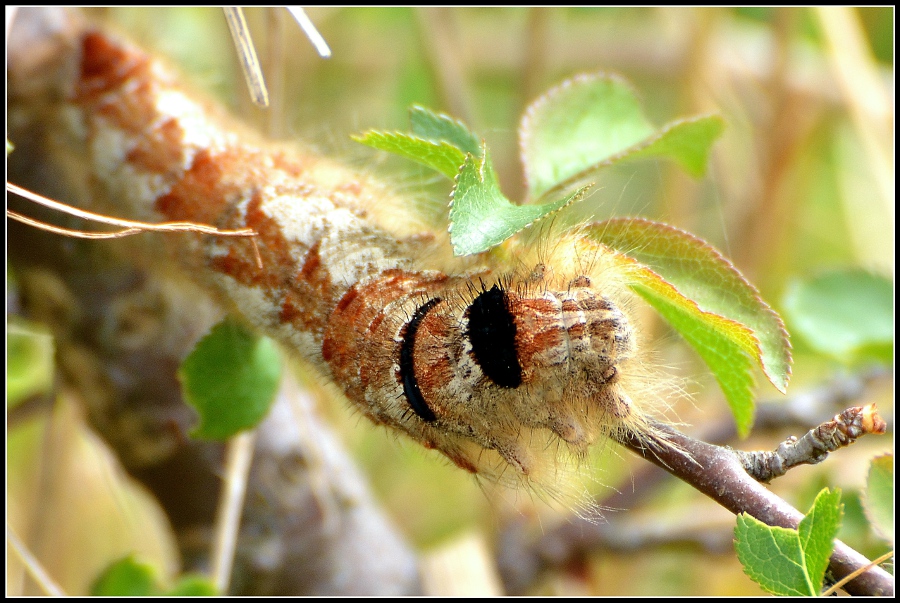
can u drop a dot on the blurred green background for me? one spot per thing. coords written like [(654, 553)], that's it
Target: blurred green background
[(801, 184)]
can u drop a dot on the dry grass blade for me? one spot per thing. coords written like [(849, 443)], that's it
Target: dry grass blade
[(130, 226), (240, 33), (310, 30), (68, 232), (238, 457), (859, 571), (32, 565)]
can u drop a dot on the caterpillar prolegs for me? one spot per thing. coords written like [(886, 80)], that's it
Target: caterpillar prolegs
[(502, 374)]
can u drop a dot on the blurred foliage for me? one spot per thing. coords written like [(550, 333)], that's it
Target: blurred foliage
[(801, 182)]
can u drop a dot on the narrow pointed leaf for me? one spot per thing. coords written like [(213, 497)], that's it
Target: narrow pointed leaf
[(438, 127), (438, 155), (817, 532), (687, 141), (481, 217)]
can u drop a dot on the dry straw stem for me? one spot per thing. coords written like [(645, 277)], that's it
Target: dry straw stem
[(240, 33), (130, 226), (34, 567)]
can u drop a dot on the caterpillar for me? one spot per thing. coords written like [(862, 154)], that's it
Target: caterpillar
[(510, 375)]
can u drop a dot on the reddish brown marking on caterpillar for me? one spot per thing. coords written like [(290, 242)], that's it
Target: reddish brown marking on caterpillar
[(105, 66), (203, 181), (433, 361), (356, 333), (313, 282), (159, 150)]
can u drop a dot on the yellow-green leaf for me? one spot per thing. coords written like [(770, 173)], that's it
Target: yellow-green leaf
[(438, 127), (879, 498), (439, 155), (705, 299)]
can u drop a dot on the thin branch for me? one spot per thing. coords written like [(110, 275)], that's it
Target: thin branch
[(840, 584), (718, 473), (814, 447)]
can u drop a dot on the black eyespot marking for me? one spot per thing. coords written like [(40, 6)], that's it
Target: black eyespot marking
[(492, 333), (407, 370)]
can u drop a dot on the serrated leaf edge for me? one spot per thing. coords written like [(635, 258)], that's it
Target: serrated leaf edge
[(525, 128), (441, 115), (717, 257), (575, 197)]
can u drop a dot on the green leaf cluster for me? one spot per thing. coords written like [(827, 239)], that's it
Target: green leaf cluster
[(790, 562), (230, 378), (586, 124), (567, 136)]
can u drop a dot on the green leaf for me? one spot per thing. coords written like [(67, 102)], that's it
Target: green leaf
[(192, 586), (482, 217), (593, 121), (29, 361), (129, 577), (687, 141), (126, 577), (441, 156), (438, 127), (703, 296), (230, 378), (730, 364), (879, 498), (790, 562), (846, 314)]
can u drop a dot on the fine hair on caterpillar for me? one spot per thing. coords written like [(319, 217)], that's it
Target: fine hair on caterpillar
[(514, 377)]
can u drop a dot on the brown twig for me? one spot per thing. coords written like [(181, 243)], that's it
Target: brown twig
[(815, 445), (718, 473)]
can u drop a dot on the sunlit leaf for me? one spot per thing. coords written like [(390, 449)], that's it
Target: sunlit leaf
[(707, 301), (129, 577), (438, 127), (592, 121), (126, 577), (482, 217), (790, 562), (687, 141), (230, 378), (441, 156)]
